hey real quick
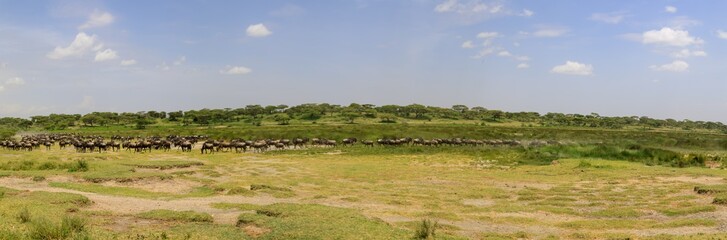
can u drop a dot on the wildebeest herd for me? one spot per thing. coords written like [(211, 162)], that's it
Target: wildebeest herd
[(86, 144)]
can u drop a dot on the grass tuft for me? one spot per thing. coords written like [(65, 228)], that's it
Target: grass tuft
[(24, 215), (182, 216), (426, 230), (79, 166), (70, 227)]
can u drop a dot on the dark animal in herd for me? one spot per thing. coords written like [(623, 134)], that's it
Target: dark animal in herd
[(86, 144)]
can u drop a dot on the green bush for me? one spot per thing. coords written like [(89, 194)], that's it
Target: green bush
[(24, 215), (720, 200), (426, 230), (256, 187), (79, 166), (70, 227), (73, 223), (710, 189)]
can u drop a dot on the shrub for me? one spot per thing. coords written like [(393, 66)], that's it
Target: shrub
[(73, 223), (70, 227), (24, 215), (710, 189), (720, 200), (584, 164), (47, 166), (240, 191), (38, 178), (79, 166), (268, 213), (256, 187), (426, 230)]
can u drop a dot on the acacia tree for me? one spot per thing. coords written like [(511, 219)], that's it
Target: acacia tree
[(350, 115), (460, 108), (282, 118), (90, 119), (387, 118)]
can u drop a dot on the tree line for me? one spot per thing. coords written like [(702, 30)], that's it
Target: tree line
[(283, 114)]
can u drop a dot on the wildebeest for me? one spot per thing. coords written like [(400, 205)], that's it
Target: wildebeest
[(349, 141), (207, 147)]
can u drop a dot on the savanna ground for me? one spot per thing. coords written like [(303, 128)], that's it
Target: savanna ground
[(594, 184)]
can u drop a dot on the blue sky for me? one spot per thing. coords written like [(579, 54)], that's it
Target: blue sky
[(654, 58)]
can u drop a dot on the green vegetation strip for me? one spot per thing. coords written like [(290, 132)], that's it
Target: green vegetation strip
[(636, 224), (169, 215)]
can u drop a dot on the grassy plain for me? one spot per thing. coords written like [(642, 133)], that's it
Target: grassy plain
[(594, 184)]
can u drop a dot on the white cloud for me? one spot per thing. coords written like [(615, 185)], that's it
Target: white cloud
[(573, 68), (670, 37), (676, 66), (258, 30), (522, 58), (487, 35), (699, 53), (288, 10), (527, 13), (470, 7), (15, 81), (550, 31), (105, 55), (721, 34), (504, 54), (467, 44), (17, 109), (446, 6), (87, 102), (670, 9), (685, 53), (98, 19), (180, 61), (238, 70), (128, 62), (682, 22), (164, 66), (2, 88), (523, 65), (493, 9), (484, 52), (612, 17), (81, 45)]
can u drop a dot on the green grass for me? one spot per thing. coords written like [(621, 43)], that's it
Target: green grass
[(635, 224), (309, 221), (617, 213), (278, 192), (182, 216), (71, 227), (687, 210), (237, 206)]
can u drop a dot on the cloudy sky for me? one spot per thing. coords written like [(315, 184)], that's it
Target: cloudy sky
[(663, 59)]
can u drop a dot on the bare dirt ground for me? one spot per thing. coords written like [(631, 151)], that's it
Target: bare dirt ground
[(697, 180), (131, 205)]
